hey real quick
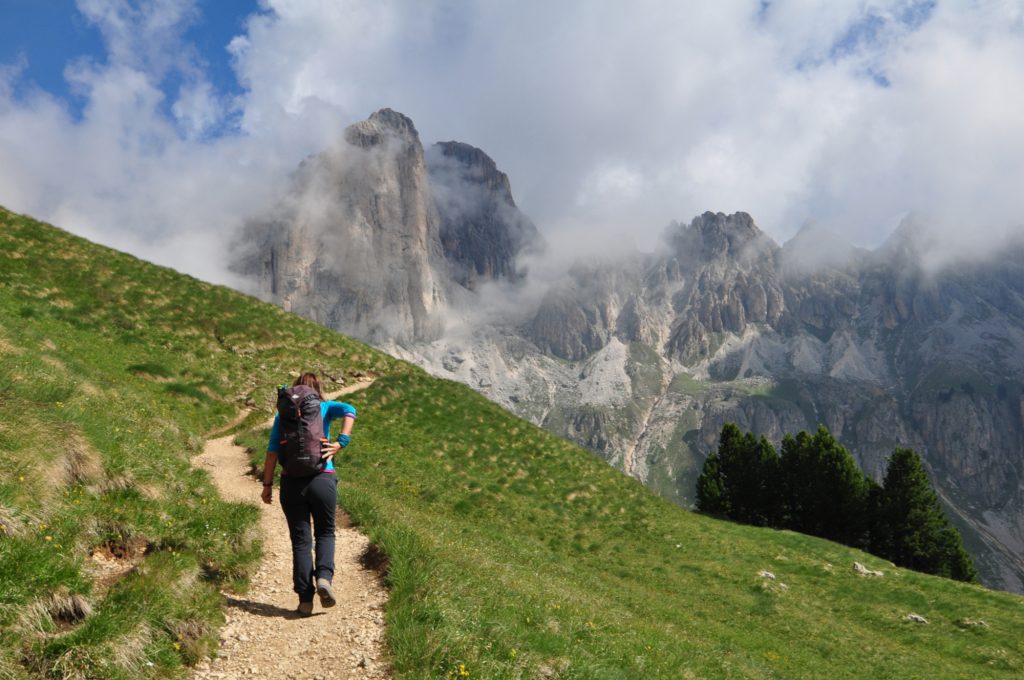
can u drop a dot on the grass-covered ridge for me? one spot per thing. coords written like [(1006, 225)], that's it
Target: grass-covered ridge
[(513, 554)]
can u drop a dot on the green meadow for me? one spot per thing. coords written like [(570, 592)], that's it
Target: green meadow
[(509, 553)]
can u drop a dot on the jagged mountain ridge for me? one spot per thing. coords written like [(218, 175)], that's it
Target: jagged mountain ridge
[(643, 357), (878, 350)]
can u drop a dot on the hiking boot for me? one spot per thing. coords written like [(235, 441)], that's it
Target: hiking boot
[(323, 589), (305, 609)]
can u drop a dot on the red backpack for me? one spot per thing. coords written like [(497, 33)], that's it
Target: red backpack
[(302, 430)]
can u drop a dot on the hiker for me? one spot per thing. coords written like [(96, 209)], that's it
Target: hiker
[(313, 493)]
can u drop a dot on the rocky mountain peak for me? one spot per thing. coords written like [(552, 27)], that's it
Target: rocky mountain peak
[(355, 244), (379, 127), (375, 235), (714, 236)]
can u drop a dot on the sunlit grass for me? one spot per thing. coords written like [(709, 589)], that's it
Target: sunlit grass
[(533, 557), (511, 553)]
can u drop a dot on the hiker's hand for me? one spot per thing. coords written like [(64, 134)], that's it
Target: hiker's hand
[(328, 449), (268, 494)]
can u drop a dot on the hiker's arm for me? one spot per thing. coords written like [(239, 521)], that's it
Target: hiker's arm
[(339, 409), (269, 463), (347, 413), (347, 423)]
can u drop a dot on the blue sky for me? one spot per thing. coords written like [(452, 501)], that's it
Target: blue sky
[(159, 126), (45, 35)]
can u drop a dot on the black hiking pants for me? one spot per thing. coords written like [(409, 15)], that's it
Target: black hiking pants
[(302, 498)]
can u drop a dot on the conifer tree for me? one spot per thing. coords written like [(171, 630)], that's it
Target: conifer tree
[(760, 489), (739, 480), (816, 488), (713, 492), (825, 493), (911, 529), (711, 488)]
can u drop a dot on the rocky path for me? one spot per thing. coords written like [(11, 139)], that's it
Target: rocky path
[(263, 637)]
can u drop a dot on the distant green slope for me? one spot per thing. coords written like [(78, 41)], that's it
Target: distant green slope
[(513, 554)]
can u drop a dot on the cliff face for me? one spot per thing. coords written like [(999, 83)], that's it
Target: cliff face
[(482, 230), (373, 241), (642, 358), (355, 244)]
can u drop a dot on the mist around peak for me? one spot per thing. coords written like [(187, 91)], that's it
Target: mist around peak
[(816, 248)]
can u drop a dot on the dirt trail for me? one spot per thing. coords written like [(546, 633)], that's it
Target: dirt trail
[(263, 637)]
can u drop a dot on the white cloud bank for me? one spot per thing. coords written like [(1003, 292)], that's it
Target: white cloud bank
[(610, 118)]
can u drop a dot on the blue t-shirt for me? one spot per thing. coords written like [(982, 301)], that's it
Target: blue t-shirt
[(329, 411)]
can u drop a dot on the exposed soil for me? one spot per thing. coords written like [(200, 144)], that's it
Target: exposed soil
[(263, 636)]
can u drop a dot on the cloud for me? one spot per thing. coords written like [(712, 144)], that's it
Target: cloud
[(146, 37), (610, 120), (139, 169), (613, 120)]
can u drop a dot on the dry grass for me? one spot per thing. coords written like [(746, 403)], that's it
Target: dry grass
[(151, 492), (81, 464), (17, 521), (117, 481), (129, 652), (126, 653), (10, 523), (194, 637), (54, 362), (59, 607), (89, 390), (68, 608)]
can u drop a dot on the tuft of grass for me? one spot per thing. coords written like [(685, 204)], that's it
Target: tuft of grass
[(186, 390), (151, 368)]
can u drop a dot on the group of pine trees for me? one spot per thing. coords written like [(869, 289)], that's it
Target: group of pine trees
[(815, 487)]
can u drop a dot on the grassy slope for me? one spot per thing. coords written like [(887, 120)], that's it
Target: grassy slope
[(111, 370), (512, 553)]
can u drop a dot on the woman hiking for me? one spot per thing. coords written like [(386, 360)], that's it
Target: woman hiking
[(309, 495)]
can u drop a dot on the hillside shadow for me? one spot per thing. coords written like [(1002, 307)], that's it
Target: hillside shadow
[(261, 608)]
